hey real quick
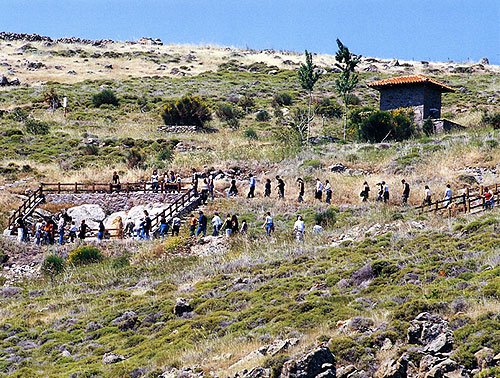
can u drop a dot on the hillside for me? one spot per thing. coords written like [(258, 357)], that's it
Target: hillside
[(383, 291)]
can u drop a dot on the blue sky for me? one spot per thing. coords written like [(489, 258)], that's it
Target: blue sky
[(436, 30)]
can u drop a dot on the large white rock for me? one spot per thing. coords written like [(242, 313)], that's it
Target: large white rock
[(108, 222), (91, 213)]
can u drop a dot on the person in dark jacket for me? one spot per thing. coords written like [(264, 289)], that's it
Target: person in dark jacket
[(202, 224), (267, 188), (406, 191)]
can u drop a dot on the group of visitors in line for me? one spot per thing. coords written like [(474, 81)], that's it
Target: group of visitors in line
[(44, 231)]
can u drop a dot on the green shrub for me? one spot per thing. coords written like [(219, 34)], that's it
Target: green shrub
[(282, 99), (262, 116), (134, 158), (326, 217), (106, 96), (84, 254), (247, 103), (314, 163), (233, 123), (428, 127), (18, 115), (381, 125), (36, 127), (52, 266), (189, 110), (250, 134), (329, 108), (491, 119), (226, 112)]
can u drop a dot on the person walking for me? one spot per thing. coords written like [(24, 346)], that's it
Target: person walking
[(138, 225), (147, 225), (115, 182), (211, 186), (299, 228), (202, 224), (300, 184), (233, 190), (204, 191), (154, 181), (38, 232), (267, 188), (489, 199), (318, 190), (447, 196), (60, 229), (216, 223), (227, 226), (268, 224), (251, 192), (328, 192), (280, 187), (235, 228), (427, 196), (194, 181), (163, 230), (380, 196), (100, 231), (83, 230), (21, 230), (192, 225), (406, 192), (386, 192), (365, 192), (244, 227), (176, 226)]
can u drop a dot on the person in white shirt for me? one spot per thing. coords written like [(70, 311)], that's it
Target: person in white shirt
[(328, 191), (318, 190), (428, 196), (217, 223), (154, 181), (299, 228), (447, 196)]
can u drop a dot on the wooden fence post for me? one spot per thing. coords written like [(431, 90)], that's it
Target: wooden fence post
[(58, 187), (481, 190)]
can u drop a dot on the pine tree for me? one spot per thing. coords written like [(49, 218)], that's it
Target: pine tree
[(307, 79), (347, 79)]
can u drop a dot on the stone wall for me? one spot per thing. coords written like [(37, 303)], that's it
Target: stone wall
[(421, 98), (179, 129), (112, 202)]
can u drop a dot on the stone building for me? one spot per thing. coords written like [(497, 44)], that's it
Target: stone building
[(420, 92)]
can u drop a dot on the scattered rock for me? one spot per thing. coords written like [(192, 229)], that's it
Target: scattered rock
[(112, 358), (484, 61), (126, 321), (394, 369), (182, 306), (432, 332), (318, 363), (484, 358), (10, 291), (91, 213), (338, 167)]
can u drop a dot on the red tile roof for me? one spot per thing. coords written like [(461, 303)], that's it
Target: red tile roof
[(415, 79)]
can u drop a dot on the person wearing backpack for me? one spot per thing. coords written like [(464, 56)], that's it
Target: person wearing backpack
[(365, 192)]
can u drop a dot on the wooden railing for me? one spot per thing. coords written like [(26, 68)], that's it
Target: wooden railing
[(174, 208), (469, 201), (28, 206), (78, 187), (38, 196)]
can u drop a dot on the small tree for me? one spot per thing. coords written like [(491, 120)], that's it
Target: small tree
[(189, 110), (347, 79), (51, 98), (307, 79)]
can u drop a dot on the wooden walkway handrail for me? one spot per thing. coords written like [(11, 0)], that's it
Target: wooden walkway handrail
[(107, 187)]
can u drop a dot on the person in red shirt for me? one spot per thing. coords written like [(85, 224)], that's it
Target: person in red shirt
[(489, 199)]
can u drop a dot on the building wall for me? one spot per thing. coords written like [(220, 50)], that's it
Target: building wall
[(421, 98), (432, 100)]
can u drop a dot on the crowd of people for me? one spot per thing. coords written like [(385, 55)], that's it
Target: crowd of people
[(46, 230)]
